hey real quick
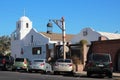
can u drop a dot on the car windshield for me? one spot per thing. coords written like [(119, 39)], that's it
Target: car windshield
[(19, 59), (38, 60), (66, 60), (103, 58)]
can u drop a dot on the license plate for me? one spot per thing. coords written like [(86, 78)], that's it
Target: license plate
[(35, 67), (18, 67), (63, 65), (100, 65)]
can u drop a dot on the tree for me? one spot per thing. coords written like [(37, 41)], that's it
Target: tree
[(4, 44), (82, 42)]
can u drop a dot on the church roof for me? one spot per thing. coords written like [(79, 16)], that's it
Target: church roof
[(57, 36), (110, 36)]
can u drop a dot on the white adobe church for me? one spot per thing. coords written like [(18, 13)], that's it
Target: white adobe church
[(27, 42), (24, 37)]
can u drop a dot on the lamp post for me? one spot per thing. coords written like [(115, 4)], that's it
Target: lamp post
[(61, 24)]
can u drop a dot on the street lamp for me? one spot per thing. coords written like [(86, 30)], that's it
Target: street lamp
[(61, 24)]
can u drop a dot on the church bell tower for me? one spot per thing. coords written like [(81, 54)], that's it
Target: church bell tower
[(23, 27)]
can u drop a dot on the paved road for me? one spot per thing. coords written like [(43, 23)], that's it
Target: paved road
[(7, 75)]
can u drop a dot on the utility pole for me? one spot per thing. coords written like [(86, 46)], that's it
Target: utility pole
[(61, 24)]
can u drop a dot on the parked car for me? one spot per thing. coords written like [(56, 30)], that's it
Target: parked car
[(21, 64), (40, 65), (6, 62), (64, 66), (99, 64)]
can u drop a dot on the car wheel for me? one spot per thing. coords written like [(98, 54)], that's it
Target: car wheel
[(30, 71), (10, 68), (88, 74), (55, 72), (26, 70), (71, 73), (5, 67), (44, 72), (13, 69), (109, 75)]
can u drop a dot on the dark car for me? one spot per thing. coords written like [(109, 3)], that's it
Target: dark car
[(6, 62), (99, 64)]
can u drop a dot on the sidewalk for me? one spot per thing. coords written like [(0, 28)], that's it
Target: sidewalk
[(116, 74), (83, 73)]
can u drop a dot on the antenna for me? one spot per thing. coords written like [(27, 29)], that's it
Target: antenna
[(24, 11)]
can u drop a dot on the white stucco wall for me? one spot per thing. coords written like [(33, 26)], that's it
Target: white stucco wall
[(16, 48), (25, 38), (86, 34), (38, 39), (28, 52), (26, 45)]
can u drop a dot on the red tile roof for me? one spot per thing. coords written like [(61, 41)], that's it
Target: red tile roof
[(57, 36)]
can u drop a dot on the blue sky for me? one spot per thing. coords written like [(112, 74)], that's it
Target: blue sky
[(101, 15)]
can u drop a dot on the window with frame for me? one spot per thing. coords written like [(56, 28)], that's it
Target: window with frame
[(85, 33), (36, 50)]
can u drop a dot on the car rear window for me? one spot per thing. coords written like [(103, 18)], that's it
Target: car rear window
[(1, 57), (98, 57), (66, 60), (4, 57), (19, 59), (38, 60)]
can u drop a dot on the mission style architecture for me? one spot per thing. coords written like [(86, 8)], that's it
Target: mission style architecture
[(29, 43)]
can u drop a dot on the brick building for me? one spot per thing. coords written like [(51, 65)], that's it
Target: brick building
[(107, 46)]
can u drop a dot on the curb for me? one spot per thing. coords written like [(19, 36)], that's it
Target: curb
[(83, 73)]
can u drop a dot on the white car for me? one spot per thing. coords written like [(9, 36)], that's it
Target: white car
[(40, 65), (64, 66)]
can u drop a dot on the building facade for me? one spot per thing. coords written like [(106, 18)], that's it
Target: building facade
[(111, 47), (28, 42), (90, 34), (100, 42)]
